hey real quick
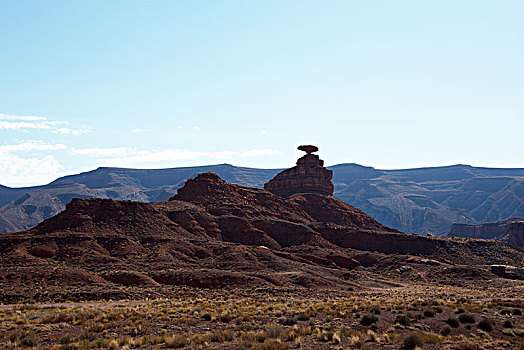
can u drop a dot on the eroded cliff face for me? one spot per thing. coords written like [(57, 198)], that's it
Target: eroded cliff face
[(492, 230), (511, 231), (308, 176), (516, 233)]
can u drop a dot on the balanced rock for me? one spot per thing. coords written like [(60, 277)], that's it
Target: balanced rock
[(308, 176)]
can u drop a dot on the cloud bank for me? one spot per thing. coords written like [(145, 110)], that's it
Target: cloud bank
[(33, 122), (122, 156), (16, 170)]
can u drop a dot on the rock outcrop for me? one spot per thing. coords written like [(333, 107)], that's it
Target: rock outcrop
[(510, 230), (516, 233), (308, 176)]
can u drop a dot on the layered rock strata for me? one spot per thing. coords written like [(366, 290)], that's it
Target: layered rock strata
[(308, 176), (516, 233), (510, 230)]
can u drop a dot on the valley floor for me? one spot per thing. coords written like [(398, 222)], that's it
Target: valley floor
[(424, 316)]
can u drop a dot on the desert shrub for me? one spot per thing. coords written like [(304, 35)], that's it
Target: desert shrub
[(28, 340), (222, 336), (505, 312), (58, 318), (198, 339), (88, 336), (272, 344), (412, 341), (325, 336), (368, 319), (273, 330), (485, 325), (429, 313), (225, 317), (303, 317), (466, 346), (430, 337), (288, 321), (176, 341), (460, 311), (466, 318), (100, 344), (445, 331), (206, 317), (403, 320), (453, 322), (97, 327), (261, 336), (517, 312), (508, 324), (66, 339), (375, 310)]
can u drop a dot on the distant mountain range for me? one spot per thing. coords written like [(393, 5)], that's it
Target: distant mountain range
[(214, 234), (424, 200)]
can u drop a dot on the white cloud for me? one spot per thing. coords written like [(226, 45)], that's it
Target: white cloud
[(263, 132), (139, 130), (20, 117), (171, 155), (17, 171), (68, 131), (21, 125), (30, 146), (105, 152), (122, 156), (33, 122), (196, 127)]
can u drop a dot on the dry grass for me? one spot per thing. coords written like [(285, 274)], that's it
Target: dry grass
[(202, 319)]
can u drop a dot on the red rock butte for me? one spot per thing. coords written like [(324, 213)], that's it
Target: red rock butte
[(308, 176)]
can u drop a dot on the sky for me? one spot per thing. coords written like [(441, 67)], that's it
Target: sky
[(156, 84)]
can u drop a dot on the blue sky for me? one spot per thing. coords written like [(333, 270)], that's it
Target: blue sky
[(151, 84)]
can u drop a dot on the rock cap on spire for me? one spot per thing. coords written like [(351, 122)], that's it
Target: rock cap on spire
[(308, 176), (308, 148)]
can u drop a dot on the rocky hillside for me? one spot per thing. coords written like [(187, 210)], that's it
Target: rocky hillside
[(413, 200), (430, 200), (23, 208), (510, 230), (216, 234)]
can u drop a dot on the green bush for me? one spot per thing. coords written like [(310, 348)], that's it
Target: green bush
[(485, 325), (303, 317), (412, 341), (368, 319), (375, 310), (429, 313), (445, 331), (467, 318), (453, 322), (403, 320), (467, 346)]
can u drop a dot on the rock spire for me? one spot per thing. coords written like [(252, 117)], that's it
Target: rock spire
[(308, 176)]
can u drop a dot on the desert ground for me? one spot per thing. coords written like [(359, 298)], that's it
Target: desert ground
[(417, 316)]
